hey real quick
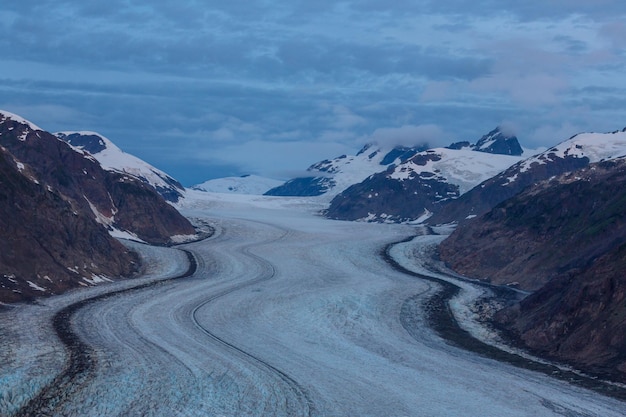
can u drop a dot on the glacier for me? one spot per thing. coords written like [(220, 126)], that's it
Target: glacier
[(287, 314)]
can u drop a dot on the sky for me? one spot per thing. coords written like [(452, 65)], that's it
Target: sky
[(205, 89)]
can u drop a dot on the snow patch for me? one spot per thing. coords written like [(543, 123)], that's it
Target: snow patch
[(124, 234), (182, 238), (100, 217), (96, 279), (36, 287), (248, 184)]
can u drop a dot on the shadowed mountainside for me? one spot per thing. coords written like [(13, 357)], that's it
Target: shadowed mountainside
[(565, 240)]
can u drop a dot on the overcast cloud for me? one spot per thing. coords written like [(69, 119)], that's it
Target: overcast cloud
[(204, 89)]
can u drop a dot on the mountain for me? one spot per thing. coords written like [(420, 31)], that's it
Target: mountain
[(47, 243), (412, 189), (120, 201), (245, 184), (569, 155), (330, 177), (112, 158), (564, 240)]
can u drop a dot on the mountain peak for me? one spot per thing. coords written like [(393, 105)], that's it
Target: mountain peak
[(498, 142)]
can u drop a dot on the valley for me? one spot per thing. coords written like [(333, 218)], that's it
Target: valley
[(287, 313)]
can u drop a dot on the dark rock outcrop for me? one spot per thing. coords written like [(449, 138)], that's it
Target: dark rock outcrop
[(497, 142)]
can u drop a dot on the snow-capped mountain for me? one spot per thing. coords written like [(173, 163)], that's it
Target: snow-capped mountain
[(574, 153), (59, 211), (245, 184), (112, 158), (330, 177), (411, 190)]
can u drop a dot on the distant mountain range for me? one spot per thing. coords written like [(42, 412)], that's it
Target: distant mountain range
[(332, 176), (412, 189), (60, 210)]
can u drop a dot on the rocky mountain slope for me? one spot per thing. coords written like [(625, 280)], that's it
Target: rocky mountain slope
[(59, 209), (564, 240), (569, 155), (330, 177), (46, 247), (412, 189), (112, 158)]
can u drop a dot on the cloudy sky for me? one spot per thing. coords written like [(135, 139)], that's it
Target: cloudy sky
[(205, 89)]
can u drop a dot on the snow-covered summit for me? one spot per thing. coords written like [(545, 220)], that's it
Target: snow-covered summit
[(4, 115), (463, 163), (245, 184), (112, 158), (462, 167), (594, 146)]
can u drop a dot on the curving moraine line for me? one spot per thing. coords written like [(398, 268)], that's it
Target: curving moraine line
[(441, 318), (81, 362), (306, 404)]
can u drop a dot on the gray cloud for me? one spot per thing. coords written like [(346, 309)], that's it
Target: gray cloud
[(205, 84)]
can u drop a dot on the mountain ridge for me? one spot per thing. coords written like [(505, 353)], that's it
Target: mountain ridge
[(411, 190), (112, 158), (569, 155)]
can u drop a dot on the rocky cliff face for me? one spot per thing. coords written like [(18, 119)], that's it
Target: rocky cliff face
[(563, 239), (500, 143)]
